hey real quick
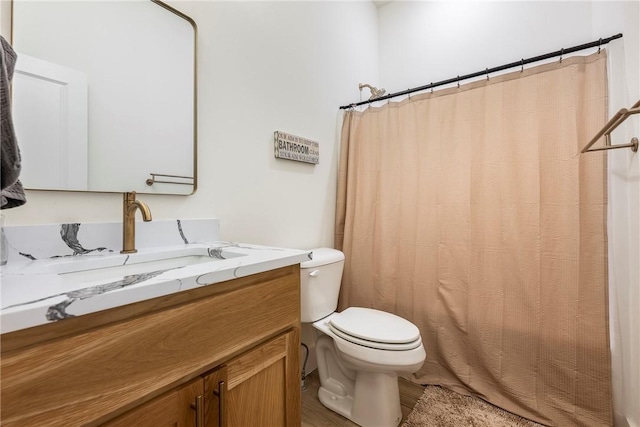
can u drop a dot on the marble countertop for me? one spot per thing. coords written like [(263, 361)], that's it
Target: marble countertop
[(53, 289)]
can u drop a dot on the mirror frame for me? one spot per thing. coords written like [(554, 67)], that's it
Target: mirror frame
[(195, 105)]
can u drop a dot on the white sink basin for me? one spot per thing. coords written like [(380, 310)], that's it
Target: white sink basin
[(117, 266)]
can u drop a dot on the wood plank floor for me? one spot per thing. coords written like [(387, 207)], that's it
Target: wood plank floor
[(314, 414)]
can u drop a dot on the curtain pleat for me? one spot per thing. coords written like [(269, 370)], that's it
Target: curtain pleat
[(471, 213)]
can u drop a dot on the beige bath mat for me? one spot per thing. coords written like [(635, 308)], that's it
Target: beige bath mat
[(440, 407)]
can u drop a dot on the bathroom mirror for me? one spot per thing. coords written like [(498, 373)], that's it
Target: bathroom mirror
[(104, 96)]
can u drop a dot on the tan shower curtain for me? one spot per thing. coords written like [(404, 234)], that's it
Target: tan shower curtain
[(471, 213)]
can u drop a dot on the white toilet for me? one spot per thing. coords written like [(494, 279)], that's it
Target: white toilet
[(360, 351)]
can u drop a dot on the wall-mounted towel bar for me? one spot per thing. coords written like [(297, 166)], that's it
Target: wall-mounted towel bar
[(153, 179), (615, 121)]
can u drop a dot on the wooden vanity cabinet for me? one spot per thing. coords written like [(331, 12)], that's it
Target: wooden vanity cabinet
[(223, 355), (248, 391)]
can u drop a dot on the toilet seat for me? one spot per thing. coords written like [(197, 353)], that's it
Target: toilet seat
[(374, 344), (375, 329), (366, 357)]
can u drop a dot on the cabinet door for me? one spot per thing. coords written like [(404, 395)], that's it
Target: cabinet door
[(263, 387), (180, 407)]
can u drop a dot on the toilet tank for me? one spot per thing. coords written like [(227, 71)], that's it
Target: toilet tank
[(320, 281)]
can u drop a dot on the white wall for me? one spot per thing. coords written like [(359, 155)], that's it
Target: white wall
[(421, 42), (263, 66), (277, 66), (624, 214)]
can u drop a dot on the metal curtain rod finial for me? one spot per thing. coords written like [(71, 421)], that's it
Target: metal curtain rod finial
[(375, 92)]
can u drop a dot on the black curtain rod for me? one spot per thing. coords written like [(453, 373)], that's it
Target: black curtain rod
[(487, 71)]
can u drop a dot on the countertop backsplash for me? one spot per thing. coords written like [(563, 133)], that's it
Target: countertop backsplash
[(34, 242)]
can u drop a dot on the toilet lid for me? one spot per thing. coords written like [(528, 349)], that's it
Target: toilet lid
[(375, 328)]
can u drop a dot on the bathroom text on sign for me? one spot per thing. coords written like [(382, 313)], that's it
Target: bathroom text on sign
[(291, 147)]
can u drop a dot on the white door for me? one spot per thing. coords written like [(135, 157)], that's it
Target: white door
[(50, 120)]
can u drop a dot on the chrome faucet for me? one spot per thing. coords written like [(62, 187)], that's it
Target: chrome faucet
[(129, 206)]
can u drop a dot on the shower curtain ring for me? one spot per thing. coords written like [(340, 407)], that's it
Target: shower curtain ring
[(487, 70), (599, 44), (561, 53), (521, 65), (458, 81), (431, 87), (409, 92)]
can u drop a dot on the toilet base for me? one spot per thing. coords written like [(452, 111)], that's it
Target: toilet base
[(362, 385), (375, 400)]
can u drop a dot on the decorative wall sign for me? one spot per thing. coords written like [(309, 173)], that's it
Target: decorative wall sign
[(291, 147)]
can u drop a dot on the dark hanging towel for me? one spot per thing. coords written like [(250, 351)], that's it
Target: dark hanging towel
[(12, 191)]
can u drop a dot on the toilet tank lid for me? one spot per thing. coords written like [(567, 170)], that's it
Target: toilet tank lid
[(323, 256)]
